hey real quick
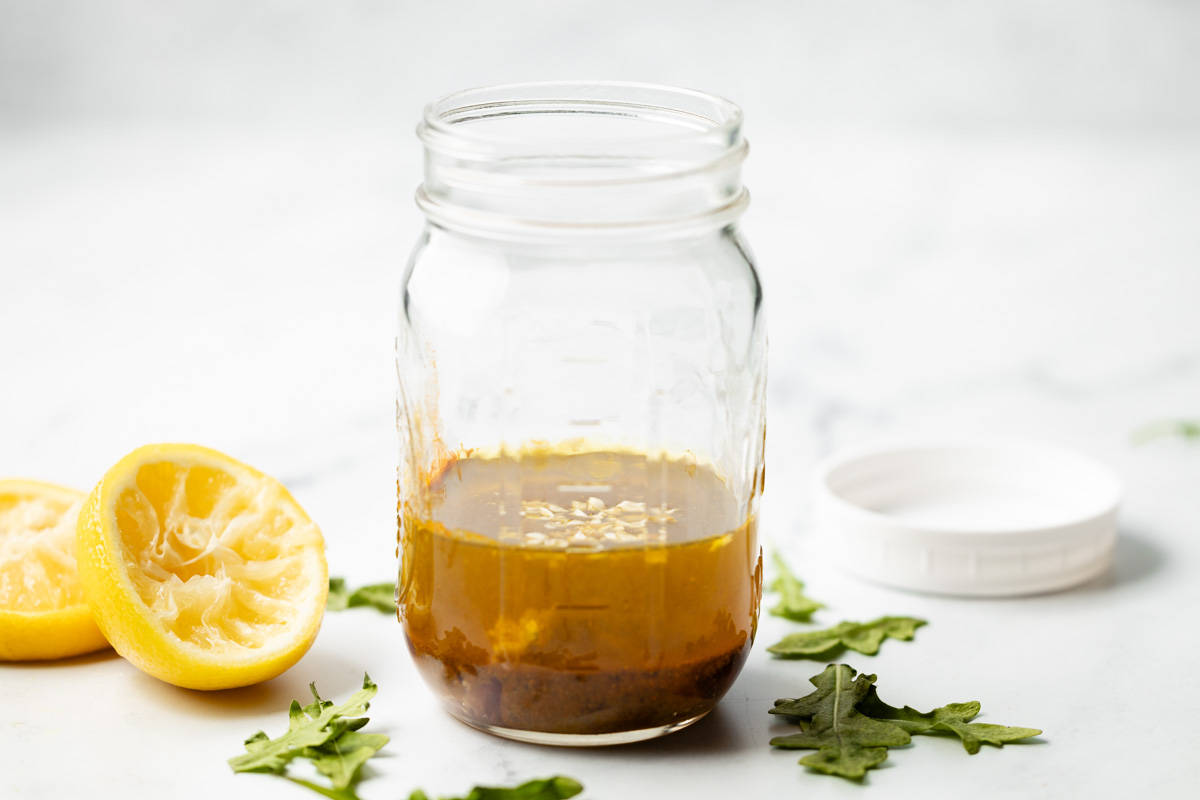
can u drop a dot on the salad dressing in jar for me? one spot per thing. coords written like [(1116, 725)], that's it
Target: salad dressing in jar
[(582, 364)]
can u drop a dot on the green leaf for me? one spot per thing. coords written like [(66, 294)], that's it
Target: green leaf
[(308, 726), (1183, 428), (847, 742), (323, 733), (557, 788), (851, 728), (953, 718), (863, 637), (380, 596), (793, 603)]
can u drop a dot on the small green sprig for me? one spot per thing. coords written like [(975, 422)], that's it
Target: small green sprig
[(848, 743), (380, 596), (793, 603), (851, 728), (1182, 428), (324, 734), (556, 788), (862, 637)]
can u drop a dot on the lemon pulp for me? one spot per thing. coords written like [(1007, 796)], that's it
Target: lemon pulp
[(42, 610), (201, 570)]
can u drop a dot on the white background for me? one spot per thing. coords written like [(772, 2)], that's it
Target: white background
[(970, 217)]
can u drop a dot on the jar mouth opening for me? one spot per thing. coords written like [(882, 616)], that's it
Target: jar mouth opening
[(582, 119), (563, 157)]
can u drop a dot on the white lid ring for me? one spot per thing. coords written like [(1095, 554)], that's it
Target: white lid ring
[(980, 518)]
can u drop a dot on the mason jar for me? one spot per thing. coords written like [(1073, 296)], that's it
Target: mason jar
[(581, 362)]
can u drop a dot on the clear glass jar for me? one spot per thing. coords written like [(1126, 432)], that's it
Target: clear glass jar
[(581, 361)]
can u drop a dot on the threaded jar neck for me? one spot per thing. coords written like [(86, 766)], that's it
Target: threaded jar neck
[(563, 159)]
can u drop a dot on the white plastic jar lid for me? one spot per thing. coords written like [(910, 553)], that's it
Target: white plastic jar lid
[(969, 518)]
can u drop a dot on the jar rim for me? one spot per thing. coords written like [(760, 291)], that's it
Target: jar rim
[(693, 114), (570, 157)]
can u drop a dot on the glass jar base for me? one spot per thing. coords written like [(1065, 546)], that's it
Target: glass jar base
[(582, 739)]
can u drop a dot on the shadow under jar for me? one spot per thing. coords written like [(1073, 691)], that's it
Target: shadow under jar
[(582, 363)]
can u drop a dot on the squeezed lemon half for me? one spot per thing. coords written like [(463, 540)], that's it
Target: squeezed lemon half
[(200, 570), (42, 610)]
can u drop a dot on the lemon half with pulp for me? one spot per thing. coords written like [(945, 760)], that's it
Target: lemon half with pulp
[(42, 609), (200, 570)]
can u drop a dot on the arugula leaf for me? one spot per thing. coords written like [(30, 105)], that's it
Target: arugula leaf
[(308, 726), (556, 788), (851, 728), (953, 718), (1183, 428), (323, 733), (793, 603), (847, 742), (863, 637), (381, 596)]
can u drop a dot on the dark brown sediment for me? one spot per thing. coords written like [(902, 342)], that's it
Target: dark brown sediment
[(530, 697)]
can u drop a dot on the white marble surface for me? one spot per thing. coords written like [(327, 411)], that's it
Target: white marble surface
[(998, 248)]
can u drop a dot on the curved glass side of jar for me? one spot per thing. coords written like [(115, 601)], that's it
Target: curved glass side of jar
[(582, 446)]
